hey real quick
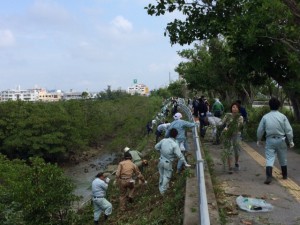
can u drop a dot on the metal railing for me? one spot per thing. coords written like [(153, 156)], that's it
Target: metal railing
[(202, 196)]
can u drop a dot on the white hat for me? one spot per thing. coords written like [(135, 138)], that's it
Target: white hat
[(177, 116), (126, 149)]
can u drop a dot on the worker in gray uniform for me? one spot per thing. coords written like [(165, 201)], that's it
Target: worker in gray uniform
[(169, 150), (277, 128)]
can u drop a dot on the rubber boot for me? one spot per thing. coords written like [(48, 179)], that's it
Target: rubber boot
[(96, 222), (284, 172), (269, 174), (105, 217)]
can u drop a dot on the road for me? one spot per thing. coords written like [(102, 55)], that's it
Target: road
[(284, 195)]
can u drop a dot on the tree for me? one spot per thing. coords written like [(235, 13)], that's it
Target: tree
[(178, 88), (263, 36), (35, 194)]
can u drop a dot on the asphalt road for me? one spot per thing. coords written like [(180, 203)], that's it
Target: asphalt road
[(284, 195)]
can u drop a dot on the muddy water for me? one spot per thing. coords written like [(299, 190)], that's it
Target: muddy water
[(84, 173)]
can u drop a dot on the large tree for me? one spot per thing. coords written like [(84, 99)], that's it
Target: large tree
[(263, 35)]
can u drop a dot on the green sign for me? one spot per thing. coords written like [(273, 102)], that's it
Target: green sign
[(135, 81)]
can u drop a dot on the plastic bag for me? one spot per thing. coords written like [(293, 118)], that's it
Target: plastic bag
[(253, 204)]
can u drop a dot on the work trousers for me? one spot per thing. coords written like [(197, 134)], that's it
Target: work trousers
[(276, 145), (165, 174), (101, 205), (126, 190)]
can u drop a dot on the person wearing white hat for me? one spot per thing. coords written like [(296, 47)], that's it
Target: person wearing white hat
[(136, 157), (180, 126)]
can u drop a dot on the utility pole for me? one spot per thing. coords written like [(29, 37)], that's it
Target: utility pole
[(169, 78)]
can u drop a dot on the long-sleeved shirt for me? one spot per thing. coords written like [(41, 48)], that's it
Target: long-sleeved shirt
[(230, 119), (275, 123), (217, 106), (163, 127), (99, 187), (169, 149), (180, 126), (126, 169), (136, 156)]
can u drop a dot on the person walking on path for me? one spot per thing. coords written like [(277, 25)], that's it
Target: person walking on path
[(233, 123), (203, 109), (217, 108), (124, 177), (180, 126), (277, 128), (169, 150), (100, 203)]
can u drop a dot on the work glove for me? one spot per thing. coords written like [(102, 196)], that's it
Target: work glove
[(107, 179), (292, 144), (259, 143), (187, 165)]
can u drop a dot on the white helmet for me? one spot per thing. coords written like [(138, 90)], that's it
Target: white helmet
[(126, 149)]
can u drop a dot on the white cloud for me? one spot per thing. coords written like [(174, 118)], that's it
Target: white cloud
[(121, 24), (6, 38)]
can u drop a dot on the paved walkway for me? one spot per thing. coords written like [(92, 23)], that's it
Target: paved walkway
[(284, 195)]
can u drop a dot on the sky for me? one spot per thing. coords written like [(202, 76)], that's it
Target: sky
[(84, 45)]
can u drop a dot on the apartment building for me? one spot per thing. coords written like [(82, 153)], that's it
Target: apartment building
[(140, 89), (29, 95)]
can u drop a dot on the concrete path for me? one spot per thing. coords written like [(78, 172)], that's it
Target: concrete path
[(284, 195)]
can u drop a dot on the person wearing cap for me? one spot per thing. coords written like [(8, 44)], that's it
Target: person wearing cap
[(278, 130), (136, 157), (169, 150), (124, 177), (180, 126), (100, 203)]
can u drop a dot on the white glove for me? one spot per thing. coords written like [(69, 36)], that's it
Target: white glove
[(292, 144), (258, 143), (107, 179), (187, 165)]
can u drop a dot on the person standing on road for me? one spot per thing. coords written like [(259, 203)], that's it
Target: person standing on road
[(169, 150), (277, 128), (180, 126), (100, 203), (203, 109), (233, 123), (124, 178), (217, 108)]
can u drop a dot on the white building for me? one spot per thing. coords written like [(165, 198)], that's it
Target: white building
[(29, 95), (72, 95), (140, 89)]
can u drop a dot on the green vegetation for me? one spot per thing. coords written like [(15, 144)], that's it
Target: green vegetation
[(35, 192), (241, 48), (54, 131)]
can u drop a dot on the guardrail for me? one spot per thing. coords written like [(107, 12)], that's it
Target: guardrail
[(202, 196)]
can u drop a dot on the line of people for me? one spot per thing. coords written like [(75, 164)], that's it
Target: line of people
[(129, 171), (174, 145)]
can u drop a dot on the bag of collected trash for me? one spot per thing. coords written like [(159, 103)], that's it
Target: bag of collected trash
[(253, 204)]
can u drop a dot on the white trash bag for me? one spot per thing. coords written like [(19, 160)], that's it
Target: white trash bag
[(253, 204)]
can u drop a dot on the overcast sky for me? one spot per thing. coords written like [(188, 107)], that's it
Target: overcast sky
[(84, 45)]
